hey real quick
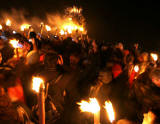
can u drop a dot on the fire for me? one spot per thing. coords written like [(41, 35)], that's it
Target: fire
[(8, 22), (110, 111), (154, 56), (14, 43), (70, 27), (136, 68), (25, 26), (62, 32), (48, 28), (0, 27), (37, 83), (75, 10), (91, 106)]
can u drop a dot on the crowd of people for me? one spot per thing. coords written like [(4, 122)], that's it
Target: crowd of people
[(74, 69)]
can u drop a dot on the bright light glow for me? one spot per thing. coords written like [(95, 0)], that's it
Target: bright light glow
[(136, 68), (110, 111), (48, 28), (154, 56), (14, 43), (25, 26), (0, 27), (62, 32), (8, 22), (75, 10), (91, 106), (37, 83), (14, 32)]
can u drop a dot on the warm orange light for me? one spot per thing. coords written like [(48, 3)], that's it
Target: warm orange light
[(62, 32), (136, 68), (25, 26), (14, 43), (91, 106), (154, 56), (8, 22), (48, 28), (110, 111), (75, 10), (37, 81), (0, 27)]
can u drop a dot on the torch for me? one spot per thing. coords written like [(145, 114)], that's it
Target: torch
[(8, 22), (1, 27), (38, 87), (14, 43), (110, 112), (91, 106), (154, 57), (48, 28)]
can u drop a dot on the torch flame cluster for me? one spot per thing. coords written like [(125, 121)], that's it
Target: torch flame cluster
[(75, 10), (91, 106)]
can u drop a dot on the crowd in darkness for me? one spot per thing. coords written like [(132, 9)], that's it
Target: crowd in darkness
[(74, 69)]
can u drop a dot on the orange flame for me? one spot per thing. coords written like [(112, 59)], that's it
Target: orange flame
[(37, 81), (25, 26), (62, 32), (48, 28), (154, 56), (91, 106), (8, 22), (0, 27), (75, 10), (14, 43), (110, 111), (136, 68)]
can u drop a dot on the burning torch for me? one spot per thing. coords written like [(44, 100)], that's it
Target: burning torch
[(91, 106), (15, 44), (38, 87)]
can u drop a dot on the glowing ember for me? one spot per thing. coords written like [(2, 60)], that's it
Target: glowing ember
[(37, 83), (110, 111), (91, 106), (48, 28), (154, 56), (14, 43), (136, 68), (8, 22), (25, 26), (0, 27), (62, 32)]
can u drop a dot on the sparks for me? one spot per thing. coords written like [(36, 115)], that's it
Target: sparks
[(110, 111), (91, 106), (37, 83)]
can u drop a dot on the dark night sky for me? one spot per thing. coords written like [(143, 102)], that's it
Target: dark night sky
[(111, 20)]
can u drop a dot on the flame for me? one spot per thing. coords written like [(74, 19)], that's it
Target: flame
[(154, 56), (75, 10), (136, 68), (110, 111), (14, 43), (70, 27), (62, 32), (25, 26), (91, 106), (0, 27), (48, 28), (8, 22), (37, 83)]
